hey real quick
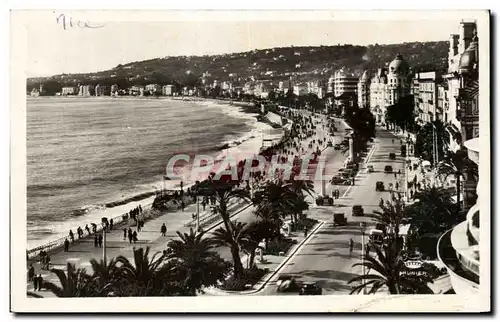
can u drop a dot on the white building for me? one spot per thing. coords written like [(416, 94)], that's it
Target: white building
[(168, 90), (427, 99), (69, 90), (389, 86), (458, 44), (364, 90)]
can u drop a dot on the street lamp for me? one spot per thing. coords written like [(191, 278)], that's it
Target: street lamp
[(362, 226), (104, 220)]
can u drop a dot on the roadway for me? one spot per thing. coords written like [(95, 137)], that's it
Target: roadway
[(325, 258)]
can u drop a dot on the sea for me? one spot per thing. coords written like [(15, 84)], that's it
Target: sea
[(88, 158)]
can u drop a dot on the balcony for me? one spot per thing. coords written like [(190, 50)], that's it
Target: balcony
[(472, 146), (462, 271)]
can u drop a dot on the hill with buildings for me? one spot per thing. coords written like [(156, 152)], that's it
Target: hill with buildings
[(304, 63)]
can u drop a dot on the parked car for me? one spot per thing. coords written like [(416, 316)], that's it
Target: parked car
[(369, 168), (310, 289), (379, 186), (337, 180), (357, 210), (339, 219), (287, 283), (392, 156), (388, 168)]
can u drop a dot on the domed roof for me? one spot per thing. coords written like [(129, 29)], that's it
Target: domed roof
[(469, 58), (398, 65)]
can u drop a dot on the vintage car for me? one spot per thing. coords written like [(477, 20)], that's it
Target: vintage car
[(388, 168), (357, 210), (337, 180), (310, 288), (369, 168), (379, 186), (392, 156), (287, 283), (339, 219)]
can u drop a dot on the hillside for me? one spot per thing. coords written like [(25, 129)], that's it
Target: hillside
[(267, 64)]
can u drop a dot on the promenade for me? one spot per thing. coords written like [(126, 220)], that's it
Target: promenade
[(82, 251)]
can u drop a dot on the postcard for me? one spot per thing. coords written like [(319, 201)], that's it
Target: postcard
[(190, 161)]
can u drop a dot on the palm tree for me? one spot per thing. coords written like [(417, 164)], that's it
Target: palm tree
[(385, 271), (392, 215), (460, 166), (274, 201), (430, 216), (224, 192), (424, 144), (147, 277), (105, 274), (234, 237), (199, 265), (300, 188), (73, 283)]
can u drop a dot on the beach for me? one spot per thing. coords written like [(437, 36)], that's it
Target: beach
[(93, 156)]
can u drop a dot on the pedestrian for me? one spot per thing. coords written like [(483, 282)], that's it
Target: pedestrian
[(47, 262), (40, 282), (134, 236), (395, 175), (100, 241), (397, 186), (163, 229), (183, 205), (66, 245), (138, 225), (351, 245), (71, 236), (130, 235), (87, 229), (203, 204), (31, 273), (124, 233), (96, 241), (94, 228), (111, 224), (305, 231), (399, 171), (35, 282)]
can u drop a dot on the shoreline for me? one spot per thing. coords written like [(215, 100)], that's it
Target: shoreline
[(113, 208)]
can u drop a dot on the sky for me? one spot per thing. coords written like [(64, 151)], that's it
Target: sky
[(58, 42)]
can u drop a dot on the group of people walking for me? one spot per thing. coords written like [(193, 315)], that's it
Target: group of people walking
[(108, 226)]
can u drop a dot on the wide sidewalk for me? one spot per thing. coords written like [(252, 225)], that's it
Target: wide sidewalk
[(82, 251)]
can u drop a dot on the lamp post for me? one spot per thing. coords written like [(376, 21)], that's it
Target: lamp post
[(103, 223), (363, 228)]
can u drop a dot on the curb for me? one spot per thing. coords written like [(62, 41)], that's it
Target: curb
[(266, 278), (270, 275)]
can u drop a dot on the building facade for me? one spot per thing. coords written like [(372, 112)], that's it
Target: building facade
[(458, 44), (458, 248), (168, 90), (364, 90), (427, 98), (69, 90), (443, 101), (86, 90), (388, 86)]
